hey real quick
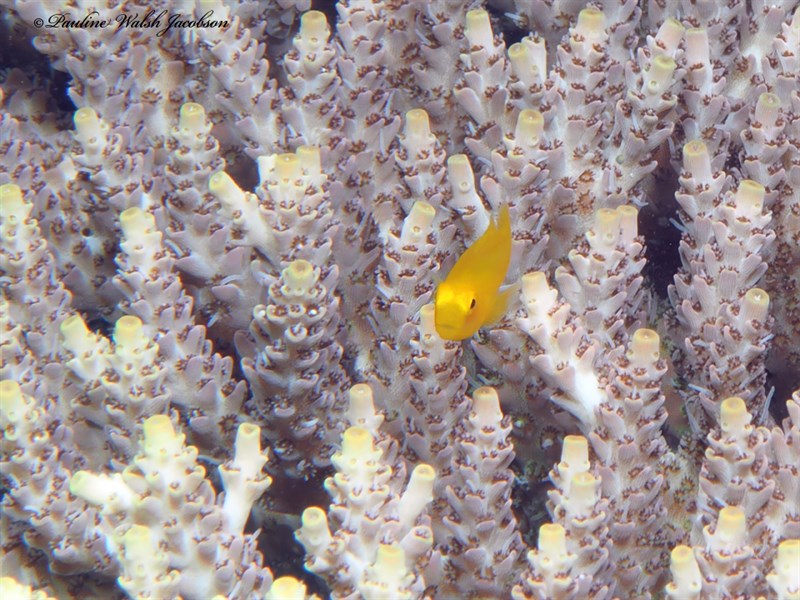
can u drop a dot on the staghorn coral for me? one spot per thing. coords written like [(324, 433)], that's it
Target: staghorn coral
[(218, 363)]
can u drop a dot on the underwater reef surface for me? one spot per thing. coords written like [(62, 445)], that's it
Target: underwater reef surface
[(225, 367)]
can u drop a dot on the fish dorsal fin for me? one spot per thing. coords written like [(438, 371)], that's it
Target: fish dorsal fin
[(487, 259)]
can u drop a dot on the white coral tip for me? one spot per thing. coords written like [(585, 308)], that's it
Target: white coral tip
[(128, 332), (88, 126), (591, 24), (659, 77), (670, 35), (362, 404), (686, 579), (418, 126), (755, 305), (12, 401), (192, 118), (552, 544), (734, 416), (356, 443), (135, 222), (486, 407), (478, 29), (785, 577), (417, 225), (12, 204), (750, 197), (225, 189), (768, 110), (286, 588), (731, 531), (287, 167), (575, 454), (299, 277), (530, 124), (248, 443), (77, 337), (160, 438), (644, 348), (427, 324), (697, 161), (314, 28), (459, 173)]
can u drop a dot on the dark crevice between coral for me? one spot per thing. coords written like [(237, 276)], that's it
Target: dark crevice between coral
[(276, 541), (507, 28), (329, 8), (99, 325), (656, 224), (60, 82), (18, 52), (781, 389), (529, 503)]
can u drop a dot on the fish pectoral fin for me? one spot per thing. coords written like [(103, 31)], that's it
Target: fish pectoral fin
[(501, 302)]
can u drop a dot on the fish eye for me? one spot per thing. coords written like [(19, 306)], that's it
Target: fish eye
[(472, 304)]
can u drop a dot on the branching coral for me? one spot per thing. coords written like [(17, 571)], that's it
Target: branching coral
[(219, 255)]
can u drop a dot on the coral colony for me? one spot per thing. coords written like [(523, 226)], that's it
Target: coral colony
[(223, 227)]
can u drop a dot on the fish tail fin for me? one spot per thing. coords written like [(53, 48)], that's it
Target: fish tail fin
[(500, 222), (501, 302)]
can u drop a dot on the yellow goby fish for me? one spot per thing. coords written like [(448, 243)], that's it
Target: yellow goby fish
[(470, 295)]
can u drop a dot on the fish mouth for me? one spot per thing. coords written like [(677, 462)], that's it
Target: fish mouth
[(449, 332), (447, 316)]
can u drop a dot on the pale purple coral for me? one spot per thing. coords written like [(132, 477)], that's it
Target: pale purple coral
[(232, 241)]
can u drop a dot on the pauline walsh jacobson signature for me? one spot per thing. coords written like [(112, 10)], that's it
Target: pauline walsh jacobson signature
[(162, 21)]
